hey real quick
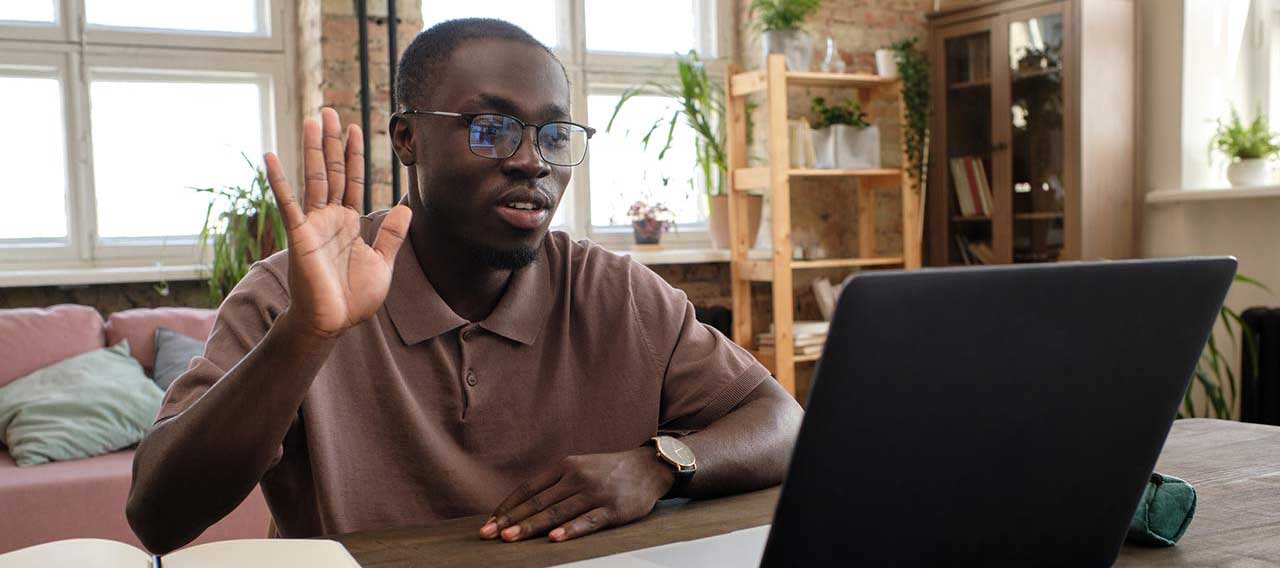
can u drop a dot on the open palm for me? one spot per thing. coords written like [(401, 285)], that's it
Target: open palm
[(336, 280)]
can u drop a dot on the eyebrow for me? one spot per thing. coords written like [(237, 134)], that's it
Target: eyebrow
[(507, 106)]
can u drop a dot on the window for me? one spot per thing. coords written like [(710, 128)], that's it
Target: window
[(123, 108), (606, 47)]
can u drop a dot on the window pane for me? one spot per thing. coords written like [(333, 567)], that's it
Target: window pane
[(33, 159), (154, 141), (27, 11), (230, 16), (663, 26), (538, 17), (623, 171)]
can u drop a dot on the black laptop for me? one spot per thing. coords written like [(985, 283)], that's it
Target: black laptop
[(1004, 416)]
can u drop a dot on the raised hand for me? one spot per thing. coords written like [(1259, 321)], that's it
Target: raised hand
[(336, 280)]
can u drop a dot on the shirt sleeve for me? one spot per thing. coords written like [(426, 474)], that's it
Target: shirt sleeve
[(242, 321), (704, 373)]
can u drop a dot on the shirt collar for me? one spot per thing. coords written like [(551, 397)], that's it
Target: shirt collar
[(419, 313)]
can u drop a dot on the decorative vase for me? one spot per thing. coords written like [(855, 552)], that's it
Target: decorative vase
[(648, 231), (886, 63), (1248, 172), (720, 220), (841, 146), (795, 45)]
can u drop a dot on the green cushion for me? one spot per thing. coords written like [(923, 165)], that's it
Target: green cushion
[(91, 404), (1165, 511)]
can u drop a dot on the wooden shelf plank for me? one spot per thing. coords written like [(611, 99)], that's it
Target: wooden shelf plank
[(846, 262), (751, 178), (742, 84), (870, 172), (969, 219), (850, 80), (1042, 216)]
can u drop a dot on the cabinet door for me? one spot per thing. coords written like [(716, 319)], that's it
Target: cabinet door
[(1040, 184), (963, 166)]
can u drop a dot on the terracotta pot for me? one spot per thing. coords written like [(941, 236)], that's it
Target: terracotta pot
[(720, 220), (648, 232)]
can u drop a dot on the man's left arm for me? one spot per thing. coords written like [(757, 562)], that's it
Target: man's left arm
[(746, 449)]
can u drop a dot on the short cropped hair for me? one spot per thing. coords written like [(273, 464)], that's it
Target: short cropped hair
[(420, 63)]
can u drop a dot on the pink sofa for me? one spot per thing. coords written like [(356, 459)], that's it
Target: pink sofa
[(86, 498)]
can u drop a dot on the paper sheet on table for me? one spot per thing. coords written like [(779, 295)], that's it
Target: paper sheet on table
[(738, 548)]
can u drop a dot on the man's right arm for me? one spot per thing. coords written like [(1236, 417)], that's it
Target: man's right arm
[(197, 466)]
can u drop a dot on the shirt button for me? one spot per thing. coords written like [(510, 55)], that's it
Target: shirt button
[(471, 378), (467, 334)]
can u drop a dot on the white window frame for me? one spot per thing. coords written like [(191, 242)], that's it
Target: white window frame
[(610, 73), (76, 54)]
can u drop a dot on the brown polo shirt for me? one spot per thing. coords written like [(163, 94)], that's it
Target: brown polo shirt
[(421, 415)]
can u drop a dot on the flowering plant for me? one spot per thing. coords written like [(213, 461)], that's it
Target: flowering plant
[(650, 221)]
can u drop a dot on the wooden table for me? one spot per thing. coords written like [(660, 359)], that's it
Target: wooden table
[(1235, 468)]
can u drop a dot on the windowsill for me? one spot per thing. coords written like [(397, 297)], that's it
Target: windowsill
[(80, 276), (1176, 196)]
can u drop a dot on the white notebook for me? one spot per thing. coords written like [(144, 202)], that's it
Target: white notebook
[(735, 549), (99, 553)]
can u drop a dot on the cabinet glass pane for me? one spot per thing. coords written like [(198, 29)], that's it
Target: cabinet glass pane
[(223, 16), (1037, 145), (968, 116)]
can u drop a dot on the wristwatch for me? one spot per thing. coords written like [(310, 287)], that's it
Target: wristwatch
[(681, 459)]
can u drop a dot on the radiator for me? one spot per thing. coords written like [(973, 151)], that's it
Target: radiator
[(1260, 385)]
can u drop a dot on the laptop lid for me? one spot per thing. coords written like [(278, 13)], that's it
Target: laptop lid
[(1003, 416)]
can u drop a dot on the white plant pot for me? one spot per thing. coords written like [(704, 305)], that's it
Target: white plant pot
[(1248, 172), (886, 64), (841, 146), (795, 45)]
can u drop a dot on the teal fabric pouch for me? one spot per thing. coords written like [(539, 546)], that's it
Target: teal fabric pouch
[(1163, 514)]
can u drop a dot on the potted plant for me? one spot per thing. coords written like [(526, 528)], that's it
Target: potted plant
[(913, 67), (1247, 148), (779, 23), (648, 222), (249, 229), (842, 138), (701, 107)]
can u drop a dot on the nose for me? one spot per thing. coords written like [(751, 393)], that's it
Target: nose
[(527, 162)]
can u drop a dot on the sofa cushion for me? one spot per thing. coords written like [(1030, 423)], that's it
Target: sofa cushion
[(88, 405), (139, 327), (174, 353), (33, 338)]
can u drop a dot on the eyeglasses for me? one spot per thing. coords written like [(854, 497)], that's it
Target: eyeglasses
[(498, 136)]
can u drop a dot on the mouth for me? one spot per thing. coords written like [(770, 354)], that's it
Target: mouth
[(525, 210)]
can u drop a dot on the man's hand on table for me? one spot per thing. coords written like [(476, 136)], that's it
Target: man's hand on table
[(581, 495)]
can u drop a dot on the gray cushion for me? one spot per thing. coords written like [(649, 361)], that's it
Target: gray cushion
[(91, 404), (174, 352)]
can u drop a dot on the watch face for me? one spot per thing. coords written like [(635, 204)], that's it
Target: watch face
[(675, 451)]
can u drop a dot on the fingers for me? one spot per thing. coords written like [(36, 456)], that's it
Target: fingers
[(527, 489), (353, 196), (395, 226), (552, 516), (283, 191), (506, 524), (316, 186), (335, 168), (589, 522)]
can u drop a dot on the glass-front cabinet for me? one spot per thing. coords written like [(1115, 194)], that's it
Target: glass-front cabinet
[(1008, 154)]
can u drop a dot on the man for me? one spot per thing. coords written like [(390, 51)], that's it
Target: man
[(449, 357)]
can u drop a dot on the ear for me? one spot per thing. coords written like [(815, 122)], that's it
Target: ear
[(401, 139)]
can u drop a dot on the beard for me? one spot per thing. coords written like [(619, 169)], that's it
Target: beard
[(506, 259)]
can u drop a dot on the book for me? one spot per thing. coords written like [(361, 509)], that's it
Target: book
[(101, 553), (982, 252), (809, 350), (972, 190), (768, 341), (800, 328), (962, 243)]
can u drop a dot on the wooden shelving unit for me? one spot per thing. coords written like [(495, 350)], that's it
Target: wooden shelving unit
[(775, 178)]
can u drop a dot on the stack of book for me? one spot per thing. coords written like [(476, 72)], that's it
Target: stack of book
[(972, 191), (809, 337)]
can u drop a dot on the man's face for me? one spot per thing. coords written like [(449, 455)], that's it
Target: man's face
[(482, 202)]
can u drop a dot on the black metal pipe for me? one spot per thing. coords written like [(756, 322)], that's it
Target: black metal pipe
[(393, 18), (362, 21)]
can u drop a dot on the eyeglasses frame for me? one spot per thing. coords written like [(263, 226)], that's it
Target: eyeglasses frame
[(468, 117)]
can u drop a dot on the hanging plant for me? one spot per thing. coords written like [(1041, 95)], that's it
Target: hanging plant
[(913, 67)]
